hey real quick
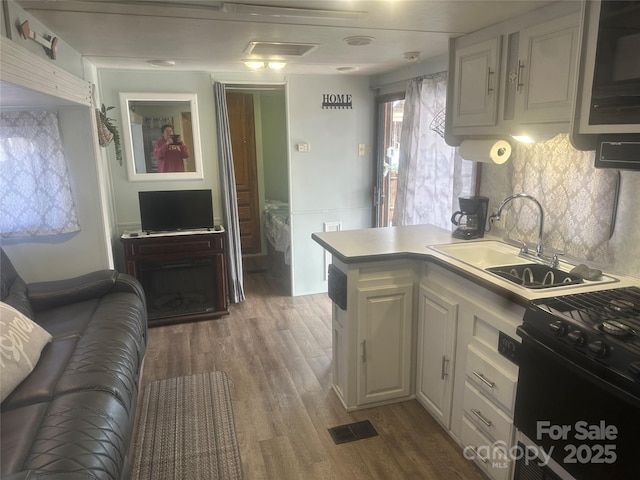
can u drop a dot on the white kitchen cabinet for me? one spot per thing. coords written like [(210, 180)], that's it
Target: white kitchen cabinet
[(476, 82), (437, 324), (545, 74), (385, 319), (516, 77)]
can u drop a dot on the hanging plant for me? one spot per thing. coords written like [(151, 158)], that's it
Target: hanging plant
[(107, 131)]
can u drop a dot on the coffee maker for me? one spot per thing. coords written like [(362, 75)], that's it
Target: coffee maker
[(471, 217)]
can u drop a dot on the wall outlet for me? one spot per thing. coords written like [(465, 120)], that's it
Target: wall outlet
[(361, 149), (304, 147), (502, 223)]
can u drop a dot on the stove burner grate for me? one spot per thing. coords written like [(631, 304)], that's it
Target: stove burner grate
[(618, 306)]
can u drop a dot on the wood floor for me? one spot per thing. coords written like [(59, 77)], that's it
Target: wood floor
[(276, 351)]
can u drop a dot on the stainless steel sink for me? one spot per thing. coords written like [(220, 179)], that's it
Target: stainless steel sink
[(482, 254), (499, 259), (533, 275)]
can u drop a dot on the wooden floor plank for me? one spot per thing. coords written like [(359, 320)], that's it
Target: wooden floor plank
[(276, 351)]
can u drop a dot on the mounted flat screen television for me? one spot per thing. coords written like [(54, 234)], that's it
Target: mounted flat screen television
[(174, 210)]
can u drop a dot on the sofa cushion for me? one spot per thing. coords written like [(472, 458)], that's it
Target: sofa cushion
[(13, 290), (17, 431), (40, 385), (21, 342)]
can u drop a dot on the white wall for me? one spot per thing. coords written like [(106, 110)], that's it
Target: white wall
[(61, 256), (330, 183), (125, 193)]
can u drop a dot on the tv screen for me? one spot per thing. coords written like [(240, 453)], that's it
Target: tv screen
[(174, 210)]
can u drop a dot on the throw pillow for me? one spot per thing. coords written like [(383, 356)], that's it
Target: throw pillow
[(21, 342)]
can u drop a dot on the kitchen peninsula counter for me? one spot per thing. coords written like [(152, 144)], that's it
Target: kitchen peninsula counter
[(412, 243)]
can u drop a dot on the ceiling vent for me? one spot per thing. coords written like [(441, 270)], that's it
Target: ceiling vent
[(273, 49)]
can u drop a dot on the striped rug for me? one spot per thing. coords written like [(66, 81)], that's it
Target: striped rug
[(186, 431)]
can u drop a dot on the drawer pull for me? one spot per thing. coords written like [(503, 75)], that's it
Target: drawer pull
[(478, 414), (476, 454), (484, 380)]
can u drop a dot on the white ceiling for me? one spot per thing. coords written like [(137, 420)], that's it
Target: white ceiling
[(200, 35)]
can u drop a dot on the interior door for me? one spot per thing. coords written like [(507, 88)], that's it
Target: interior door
[(243, 144)]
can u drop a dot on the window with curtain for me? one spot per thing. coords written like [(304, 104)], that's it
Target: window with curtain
[(34, 179), (431, 174)]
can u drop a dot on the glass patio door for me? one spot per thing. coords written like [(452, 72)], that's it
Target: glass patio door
[(390, 111)]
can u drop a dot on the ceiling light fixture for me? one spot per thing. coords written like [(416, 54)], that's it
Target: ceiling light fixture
[(358, 40), (259, 64), (291, 12), (162, 63)]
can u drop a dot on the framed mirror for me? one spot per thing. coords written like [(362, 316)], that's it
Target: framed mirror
[(161, 136)]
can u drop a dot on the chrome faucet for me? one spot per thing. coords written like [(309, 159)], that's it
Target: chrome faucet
[(524, 251)]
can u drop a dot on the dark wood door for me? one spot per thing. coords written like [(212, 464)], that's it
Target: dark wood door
[(243, 143)]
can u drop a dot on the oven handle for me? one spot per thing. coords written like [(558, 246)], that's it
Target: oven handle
[(587, 375)]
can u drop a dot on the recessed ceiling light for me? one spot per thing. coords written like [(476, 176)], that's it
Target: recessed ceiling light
[(254, 64), (276, 65), (162, 63), (358, 41)]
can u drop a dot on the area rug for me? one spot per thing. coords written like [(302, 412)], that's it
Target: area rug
[(186, 431)]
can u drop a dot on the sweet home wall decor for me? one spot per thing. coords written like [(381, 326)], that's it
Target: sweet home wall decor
[(337, 100)]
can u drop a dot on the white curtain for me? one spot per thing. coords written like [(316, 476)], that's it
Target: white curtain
[(229, 197), (431, 174), (34, 179)]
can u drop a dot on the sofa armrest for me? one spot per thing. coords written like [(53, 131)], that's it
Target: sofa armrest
[(44, 295), (128, 283)]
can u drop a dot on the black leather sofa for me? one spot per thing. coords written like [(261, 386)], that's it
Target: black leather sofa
[(72, 418)]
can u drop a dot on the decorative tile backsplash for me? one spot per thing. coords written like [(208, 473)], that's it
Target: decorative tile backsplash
[(578, 202)]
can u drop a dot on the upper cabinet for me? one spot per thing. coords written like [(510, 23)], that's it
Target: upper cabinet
[(477, 67), (546, 71), (517, 77)]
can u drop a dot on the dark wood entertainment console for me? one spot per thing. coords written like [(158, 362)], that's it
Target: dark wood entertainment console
[(184, 275)]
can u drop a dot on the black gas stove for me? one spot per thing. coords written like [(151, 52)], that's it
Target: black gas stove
[(603, 326), (580, 372)]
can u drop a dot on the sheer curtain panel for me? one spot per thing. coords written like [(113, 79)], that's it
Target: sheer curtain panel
[(34, 178), (431, 174), (229, 197)]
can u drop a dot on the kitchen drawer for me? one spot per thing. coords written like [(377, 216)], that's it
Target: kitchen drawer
[(484, 373), (486, 416), (487, 455)]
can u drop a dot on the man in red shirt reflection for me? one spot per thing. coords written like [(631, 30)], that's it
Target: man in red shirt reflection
[(170, 151)]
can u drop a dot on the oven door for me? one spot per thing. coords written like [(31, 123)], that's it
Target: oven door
[(589, 426)]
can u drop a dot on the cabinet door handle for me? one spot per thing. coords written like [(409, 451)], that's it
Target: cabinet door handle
[(364, 351), (489, 81), (519, 83), (444, 370), (476, 454), (484, 380), (481, 417)]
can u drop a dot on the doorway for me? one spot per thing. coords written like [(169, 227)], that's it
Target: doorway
[(390, 111), (258, 124)]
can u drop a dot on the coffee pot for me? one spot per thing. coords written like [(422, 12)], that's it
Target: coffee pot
[(471, 218)]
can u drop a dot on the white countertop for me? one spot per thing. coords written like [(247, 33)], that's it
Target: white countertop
[(413, 242)]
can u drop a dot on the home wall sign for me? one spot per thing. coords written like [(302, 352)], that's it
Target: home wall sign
[(337, 100)]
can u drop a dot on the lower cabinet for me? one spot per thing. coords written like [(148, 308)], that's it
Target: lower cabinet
[(437, 325), (461, 377), (373, 337), (384, 339)]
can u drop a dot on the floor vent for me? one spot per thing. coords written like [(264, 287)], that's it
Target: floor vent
[(352, 432)]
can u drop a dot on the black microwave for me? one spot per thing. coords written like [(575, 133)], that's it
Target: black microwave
[(620, 151), (615, 95)]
